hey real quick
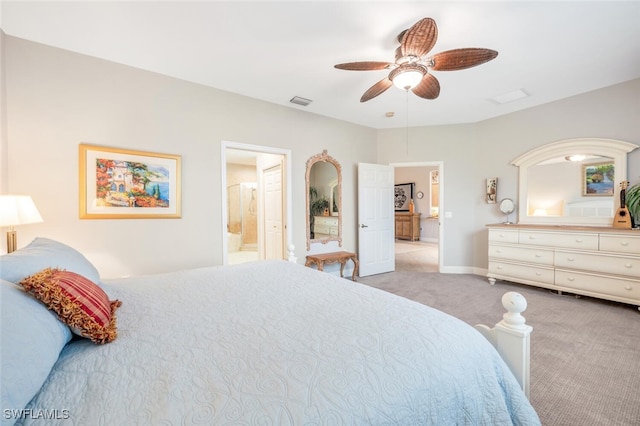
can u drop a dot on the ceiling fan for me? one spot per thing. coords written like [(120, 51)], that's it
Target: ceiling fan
[(412, 69)]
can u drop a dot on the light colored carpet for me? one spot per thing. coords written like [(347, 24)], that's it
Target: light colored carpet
[(416, 256), (585, 367), (408, 246)]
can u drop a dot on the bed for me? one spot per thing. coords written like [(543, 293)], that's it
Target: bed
[(268, 343)]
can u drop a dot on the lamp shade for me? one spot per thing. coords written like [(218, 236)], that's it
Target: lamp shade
[(18, 210)]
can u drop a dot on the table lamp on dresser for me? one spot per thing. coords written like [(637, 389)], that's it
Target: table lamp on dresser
[(16, 210)]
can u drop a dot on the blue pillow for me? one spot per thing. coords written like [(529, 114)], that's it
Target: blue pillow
[(44, 253), (31, 340)]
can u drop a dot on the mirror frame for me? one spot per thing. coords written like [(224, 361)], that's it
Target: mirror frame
[(324, 157), (615, 149)]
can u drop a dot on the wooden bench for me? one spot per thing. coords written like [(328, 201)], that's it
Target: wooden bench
[(334, 257)]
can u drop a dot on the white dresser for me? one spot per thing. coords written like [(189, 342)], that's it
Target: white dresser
[(326, 226), (601, 262)]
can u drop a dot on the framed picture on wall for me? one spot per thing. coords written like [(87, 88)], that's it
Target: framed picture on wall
[(598, 179), (403, 193), (125, 184), (435, 177), (492, 189)]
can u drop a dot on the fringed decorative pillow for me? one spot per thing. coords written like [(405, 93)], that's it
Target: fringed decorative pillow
[(77, 301)]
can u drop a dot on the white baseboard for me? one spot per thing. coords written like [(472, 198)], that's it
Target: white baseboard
[(348, 271)]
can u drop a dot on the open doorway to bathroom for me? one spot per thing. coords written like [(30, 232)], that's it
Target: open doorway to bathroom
[(256, 208), (418, 239)]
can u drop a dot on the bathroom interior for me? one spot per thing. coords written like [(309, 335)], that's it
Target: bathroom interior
[(242, 204)]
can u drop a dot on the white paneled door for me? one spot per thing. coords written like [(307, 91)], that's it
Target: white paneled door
[(273, 225), (376, 220)]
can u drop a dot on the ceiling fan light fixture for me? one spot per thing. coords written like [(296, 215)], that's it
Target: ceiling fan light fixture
[(407, 76), (412, 69)]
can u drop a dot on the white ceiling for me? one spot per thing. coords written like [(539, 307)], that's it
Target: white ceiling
[(276, 50)]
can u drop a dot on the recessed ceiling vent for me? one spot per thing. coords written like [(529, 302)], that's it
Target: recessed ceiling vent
[(512, 96), (300, 101)]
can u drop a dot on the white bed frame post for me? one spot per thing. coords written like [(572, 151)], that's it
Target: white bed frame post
[(512, 338), (291, 255)]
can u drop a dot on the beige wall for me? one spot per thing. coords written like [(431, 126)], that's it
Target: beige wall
[(473, 152), (4, 177), (56, 99)]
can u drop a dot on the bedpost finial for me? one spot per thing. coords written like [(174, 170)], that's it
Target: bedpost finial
[(515, 304), (292, 256)]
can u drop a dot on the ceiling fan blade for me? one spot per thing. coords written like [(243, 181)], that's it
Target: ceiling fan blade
[(459, 59), (420, 38), (429, 87), (363, 66), (376, 89)]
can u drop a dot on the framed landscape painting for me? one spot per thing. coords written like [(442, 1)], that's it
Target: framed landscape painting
[(126, 184), (598, 179)]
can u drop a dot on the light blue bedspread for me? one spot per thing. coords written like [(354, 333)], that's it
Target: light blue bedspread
[(275, 343)]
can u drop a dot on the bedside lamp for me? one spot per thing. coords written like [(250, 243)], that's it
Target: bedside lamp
[(16, 210)]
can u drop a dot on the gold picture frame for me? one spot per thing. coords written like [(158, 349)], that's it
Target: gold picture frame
[(120, 183)]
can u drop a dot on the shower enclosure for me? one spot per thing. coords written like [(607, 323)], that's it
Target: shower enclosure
[(242, 217)]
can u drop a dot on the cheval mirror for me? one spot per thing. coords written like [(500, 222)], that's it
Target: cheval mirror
[(324, 199)]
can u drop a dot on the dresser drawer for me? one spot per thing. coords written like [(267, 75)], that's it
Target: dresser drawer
[(626, 289), (584, 241), (326, 220), (503, 235), (618, 265), (620, 243), (538, 274), (522, 254)]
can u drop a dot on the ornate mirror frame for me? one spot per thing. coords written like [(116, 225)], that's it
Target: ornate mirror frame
[(614, 149), (326, 158)]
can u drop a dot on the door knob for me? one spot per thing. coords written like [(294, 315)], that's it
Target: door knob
[(363, 226)]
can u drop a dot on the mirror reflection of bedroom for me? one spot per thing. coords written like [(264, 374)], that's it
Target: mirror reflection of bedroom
[(417, 232)]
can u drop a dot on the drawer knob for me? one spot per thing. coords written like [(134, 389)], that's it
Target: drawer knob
[(571, 259), (628, 287), (624, 244), (538, 255), (571, 279), (531, 237), (498, 251), (499, 267), (628, 265), (538, 274), (578, 240)]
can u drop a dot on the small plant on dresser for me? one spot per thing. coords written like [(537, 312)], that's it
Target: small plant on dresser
[(633, 203)]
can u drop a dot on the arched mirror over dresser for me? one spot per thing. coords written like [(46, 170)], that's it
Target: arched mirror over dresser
[(572, 182), (324, 199)]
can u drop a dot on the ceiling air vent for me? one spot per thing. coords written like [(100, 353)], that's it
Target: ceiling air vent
[(300, 101)]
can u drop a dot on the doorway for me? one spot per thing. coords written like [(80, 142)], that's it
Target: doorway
[(424, 253), (256, 206)]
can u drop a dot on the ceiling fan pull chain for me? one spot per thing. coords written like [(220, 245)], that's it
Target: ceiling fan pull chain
[(407, 120)]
